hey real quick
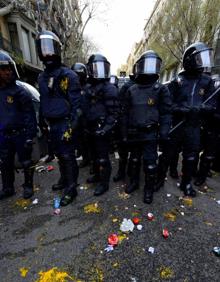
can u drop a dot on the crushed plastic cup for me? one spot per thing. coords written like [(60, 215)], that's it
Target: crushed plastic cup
[(57, 211), (109, 248), (139, 227), (127, 225), (113, 240), (56, 203), (35, 202), (150, 216), (151, 250), (165, 233), (216, 251)]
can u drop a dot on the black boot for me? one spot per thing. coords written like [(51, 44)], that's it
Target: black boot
[(104, 172), (188, 190), (7, 183), (121, 171), (70, 170), (204, 168), (96, 177), (150, 182), (162, 172), (134, 176), (187, 170), (28, 183), (61, 182)]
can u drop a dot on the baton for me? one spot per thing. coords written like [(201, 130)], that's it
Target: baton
[(203, 103)]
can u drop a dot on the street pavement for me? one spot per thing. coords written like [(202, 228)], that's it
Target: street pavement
[(38, 246)]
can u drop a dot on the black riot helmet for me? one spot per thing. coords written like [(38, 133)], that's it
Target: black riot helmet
[(48, 47), (114, 80), (81, 70), (197, 57), (149, 63), (98, 67), (7, 62)]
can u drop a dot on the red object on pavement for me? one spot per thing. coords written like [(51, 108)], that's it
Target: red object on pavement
[(113, 239), (50, 168), (165, 233), (136, 220), (150, 216)]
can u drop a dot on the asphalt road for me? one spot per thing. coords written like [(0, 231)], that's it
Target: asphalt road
[(38, 246)]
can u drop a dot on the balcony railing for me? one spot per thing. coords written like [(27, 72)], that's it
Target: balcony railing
[(7, 46)]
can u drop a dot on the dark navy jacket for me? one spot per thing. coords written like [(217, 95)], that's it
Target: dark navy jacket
[(17, 111), (147, 108), (101, 105), (59, 94), (188, 91)]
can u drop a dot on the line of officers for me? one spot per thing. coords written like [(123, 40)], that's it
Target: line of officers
[(81, 108)]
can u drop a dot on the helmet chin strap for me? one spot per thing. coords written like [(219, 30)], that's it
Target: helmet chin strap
[(50, 65)]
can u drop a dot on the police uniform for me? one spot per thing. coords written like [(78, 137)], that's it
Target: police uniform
[(60, 107), (18, 126), (101, 103), (147, 117), (189, 91)]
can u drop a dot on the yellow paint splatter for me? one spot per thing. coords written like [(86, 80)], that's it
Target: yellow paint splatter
[(170, 215), (22, 203), (208, 223), (92, 208), (188, 201), (123, 195), (116, 264), (121, 237), (24, 271), (166, 272), (54, 275)]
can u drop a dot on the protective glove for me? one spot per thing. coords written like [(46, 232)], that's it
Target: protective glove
[(100, 132)]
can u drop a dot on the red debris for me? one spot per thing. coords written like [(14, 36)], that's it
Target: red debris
[(50, 168), (165, 233), (136, 220), (113, 239)]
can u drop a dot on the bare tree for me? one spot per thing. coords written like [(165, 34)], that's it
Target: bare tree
[(182, 23)]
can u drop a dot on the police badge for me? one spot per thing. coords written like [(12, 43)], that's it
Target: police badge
[(150, 102), (64, 83), (201, 91), (10, 99)]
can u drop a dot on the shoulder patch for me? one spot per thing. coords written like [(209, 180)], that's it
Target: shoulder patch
[(64, 83)]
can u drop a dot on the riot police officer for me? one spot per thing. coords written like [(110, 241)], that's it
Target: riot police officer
[(82, 142), (147, 117), (18, 127), (123, 149), (101, 117), (60, 107), (189, 90)]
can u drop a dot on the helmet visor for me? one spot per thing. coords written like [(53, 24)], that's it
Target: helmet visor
[(48, 46), (204, 59), (100, 70), (149, 65)]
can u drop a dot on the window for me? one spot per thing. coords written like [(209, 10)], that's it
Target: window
[(26, 44)]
